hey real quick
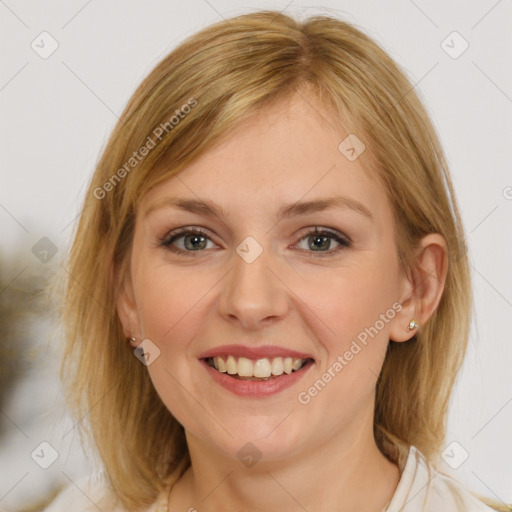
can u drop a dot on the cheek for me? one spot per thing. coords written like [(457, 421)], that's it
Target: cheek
[(357, 309), (166, 300), (351, 300), (171, 313)]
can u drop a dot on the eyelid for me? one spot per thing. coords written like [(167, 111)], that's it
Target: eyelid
[(340, 238), (174, 234), (325, 230)]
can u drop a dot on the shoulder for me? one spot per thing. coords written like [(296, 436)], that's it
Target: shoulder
[(422, 488), (90, 494)]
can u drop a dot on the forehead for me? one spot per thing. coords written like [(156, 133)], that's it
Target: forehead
[(284, 153)]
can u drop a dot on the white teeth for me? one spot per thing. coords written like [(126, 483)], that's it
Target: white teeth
[(277, 366), (231, 365), (263, 368), (297, 363), (220, 364), (245, 367)]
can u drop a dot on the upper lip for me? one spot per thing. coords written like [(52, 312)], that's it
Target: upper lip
[(250, 352)]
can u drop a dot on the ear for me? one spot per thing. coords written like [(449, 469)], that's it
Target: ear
[(422, 287), (127, 310)]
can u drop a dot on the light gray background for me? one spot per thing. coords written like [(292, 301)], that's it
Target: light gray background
[(56, 114)]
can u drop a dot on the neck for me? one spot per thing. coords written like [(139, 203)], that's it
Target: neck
[(345, 474)]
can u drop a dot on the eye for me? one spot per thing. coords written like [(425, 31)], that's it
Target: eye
[(194, 240), (320, 240)]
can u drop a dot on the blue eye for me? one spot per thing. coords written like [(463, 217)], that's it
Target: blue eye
[(195, 240), (320, 239)]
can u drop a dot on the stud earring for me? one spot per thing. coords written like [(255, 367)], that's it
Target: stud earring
[(413, 324)]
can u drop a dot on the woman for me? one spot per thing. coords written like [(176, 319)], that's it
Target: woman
[(269, 297)]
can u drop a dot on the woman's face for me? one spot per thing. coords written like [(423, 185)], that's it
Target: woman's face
[(259, 290)]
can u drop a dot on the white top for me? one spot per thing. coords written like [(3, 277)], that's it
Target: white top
[(421, 489)]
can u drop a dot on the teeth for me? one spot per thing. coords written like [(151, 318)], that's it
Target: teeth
[(261, 368), (245, 367), (220, 364), (231, 365), (296, 364), (277, 366)]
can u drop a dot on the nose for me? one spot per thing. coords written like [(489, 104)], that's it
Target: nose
[(253, 294)]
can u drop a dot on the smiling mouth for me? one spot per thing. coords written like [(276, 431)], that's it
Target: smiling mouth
[(243, 368)]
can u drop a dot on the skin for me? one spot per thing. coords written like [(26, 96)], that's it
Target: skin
[(320, 456)]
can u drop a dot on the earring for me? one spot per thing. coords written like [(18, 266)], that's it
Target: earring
[(413, 324), (134, 339)]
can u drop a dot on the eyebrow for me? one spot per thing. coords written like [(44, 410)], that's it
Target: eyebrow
[(210, 209)]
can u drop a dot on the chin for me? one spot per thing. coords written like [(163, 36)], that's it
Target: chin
[(261, 441)]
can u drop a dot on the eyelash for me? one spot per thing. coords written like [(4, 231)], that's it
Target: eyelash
[(171, 237)]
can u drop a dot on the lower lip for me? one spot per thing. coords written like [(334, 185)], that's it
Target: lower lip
[(256, 388)]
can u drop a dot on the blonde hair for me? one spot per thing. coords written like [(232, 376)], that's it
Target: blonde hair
[(226, 73)]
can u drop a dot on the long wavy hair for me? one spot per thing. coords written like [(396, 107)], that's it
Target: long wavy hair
[(196, 95)]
